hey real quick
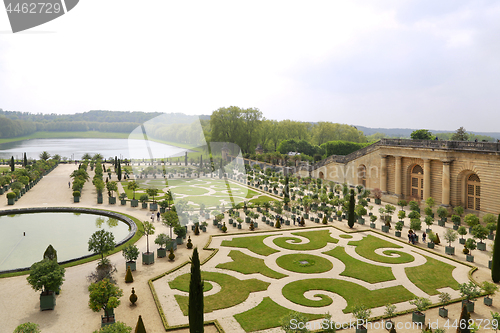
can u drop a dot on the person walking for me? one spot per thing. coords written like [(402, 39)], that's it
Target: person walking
[(424, 235), (152, 217), (69, 184)]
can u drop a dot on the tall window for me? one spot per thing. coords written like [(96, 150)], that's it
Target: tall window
[(417, 182), (473, 192), (362, 175)]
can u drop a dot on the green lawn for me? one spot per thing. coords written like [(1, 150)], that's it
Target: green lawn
[(253, 243), (246, 264), (353, 293), (317, 240), (361, 270), (266, 315), (304, 263), (345, 236), (233, 291), (261, 199), (367, 246), (432, 275)]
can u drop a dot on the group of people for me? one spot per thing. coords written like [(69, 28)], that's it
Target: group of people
[(153, 216), (413, 238)]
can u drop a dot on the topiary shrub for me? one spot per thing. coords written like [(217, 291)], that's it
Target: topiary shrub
[(196, 230), (224, 228), (133, 297), (189, 244), (128, 276), (325, 221), (171, 256), (140, 326), (278, 224), (27, 328), (252, 227), (11, 195), (50, 253), (437, 241), (76, 193)]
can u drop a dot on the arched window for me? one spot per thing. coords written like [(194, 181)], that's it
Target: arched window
[(362, 175), (321, 175), (417, 182), (473, 192)]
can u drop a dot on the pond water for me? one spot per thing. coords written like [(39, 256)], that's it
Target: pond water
[(76, 148), (68, 233)]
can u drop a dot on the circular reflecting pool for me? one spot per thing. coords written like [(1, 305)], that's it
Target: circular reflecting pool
[(25, 237)]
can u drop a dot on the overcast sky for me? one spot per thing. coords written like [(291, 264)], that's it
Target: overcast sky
[(413, 64)]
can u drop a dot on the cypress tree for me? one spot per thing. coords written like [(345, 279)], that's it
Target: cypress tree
[(12, 165), (119, 171), (495, 260), (25, 162), (186, 159), (195, 296), (464, 321), (286, 195), (350, 221)]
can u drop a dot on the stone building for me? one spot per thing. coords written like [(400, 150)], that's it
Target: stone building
[(452, 172)]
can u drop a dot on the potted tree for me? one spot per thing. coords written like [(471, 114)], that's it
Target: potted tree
[(450, 236), (76, 196), (144, 200), (492, 226), (204, 225), (181, 232), (148, 257), (402, 204), (471, 292), (112, 187), (390, 309), (414, 206), (399, 227), (442, 213), (489, 289), (444, 298), (161, 240), (462, 232), (360, 212), (99, 187), (422, 304), (11, 198), (373, 218), (131, 253), (164, 204), (401, 216), (456, 221), (470, 244), (105, 295), (46, 276), (480, 232), (377, 193), (361, 313), (152, 192), (471, 220), (429, 220), (101, 242), (432, 239), (132, 186), (123, 196)]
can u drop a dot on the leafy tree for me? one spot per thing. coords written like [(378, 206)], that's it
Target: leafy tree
[(101, 242), (460, 135), (170, 219), (352, 203), (133, 187), (130, 252), (27, 328), (104, 295), (450, 236), (290, 323), (117, 327), (112, 187), (152, 192), (195, 296), (495, 264), (149, 229), (421, 134), (44, 155), (46, 275)]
